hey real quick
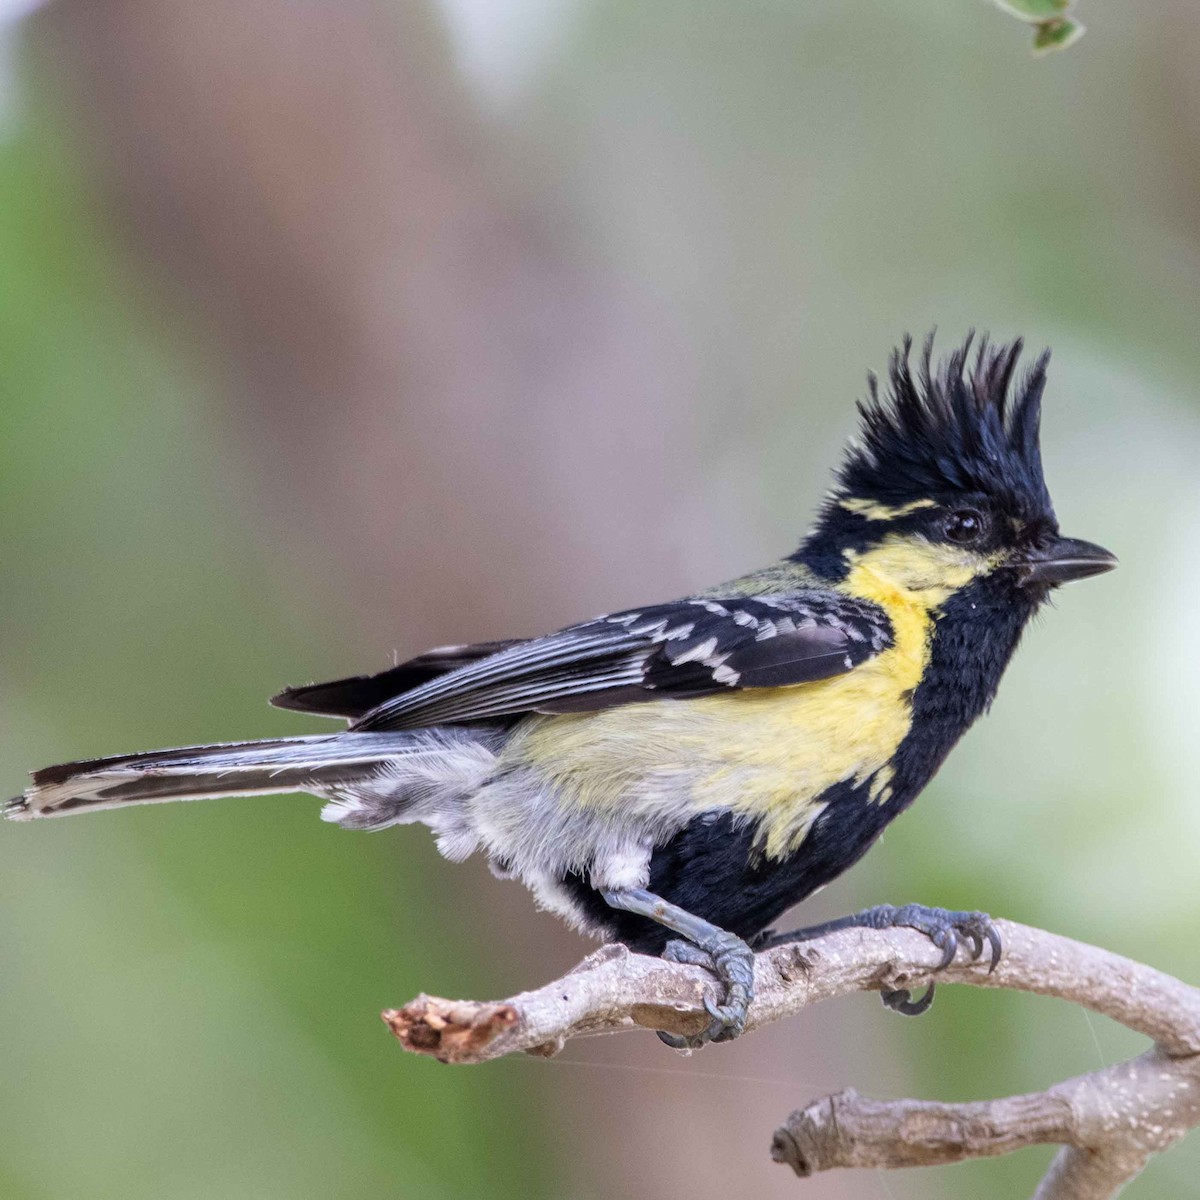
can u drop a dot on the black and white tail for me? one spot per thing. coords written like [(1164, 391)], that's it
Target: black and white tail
[(326, 765)]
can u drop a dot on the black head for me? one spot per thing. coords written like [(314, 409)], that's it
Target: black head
[(963, 429), (945, 482)]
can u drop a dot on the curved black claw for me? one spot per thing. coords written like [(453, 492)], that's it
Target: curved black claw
[(900, 1000), (732, 962)]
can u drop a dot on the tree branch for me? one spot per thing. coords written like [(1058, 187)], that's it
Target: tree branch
[(1109, 1121)]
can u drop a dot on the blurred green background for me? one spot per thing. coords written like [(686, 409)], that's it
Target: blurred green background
[(333, 330)]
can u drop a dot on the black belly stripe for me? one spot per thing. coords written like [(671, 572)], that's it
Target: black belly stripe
[(709, 868)]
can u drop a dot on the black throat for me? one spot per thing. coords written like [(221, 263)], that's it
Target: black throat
[(974, 639)]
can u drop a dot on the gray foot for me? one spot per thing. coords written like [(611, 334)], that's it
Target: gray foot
[(943, 927), (732, 962), (724, 953)]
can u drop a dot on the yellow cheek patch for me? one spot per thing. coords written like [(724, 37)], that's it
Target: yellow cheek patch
[(874, 511), (929, 571)]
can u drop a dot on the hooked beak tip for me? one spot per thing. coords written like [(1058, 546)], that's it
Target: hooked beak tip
[(1063, 561)]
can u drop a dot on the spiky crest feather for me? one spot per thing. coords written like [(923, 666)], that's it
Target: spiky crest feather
[(969, 426)]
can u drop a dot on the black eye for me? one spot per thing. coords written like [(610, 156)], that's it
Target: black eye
[(964, 526)]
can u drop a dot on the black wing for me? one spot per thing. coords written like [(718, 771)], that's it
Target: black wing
[(688, 648), (359, 694)]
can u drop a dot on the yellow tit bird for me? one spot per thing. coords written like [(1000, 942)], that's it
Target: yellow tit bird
[(674, 777)]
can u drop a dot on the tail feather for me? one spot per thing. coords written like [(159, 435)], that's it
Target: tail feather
[(321, 764)]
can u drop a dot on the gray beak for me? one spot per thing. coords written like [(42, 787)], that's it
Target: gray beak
[(1060, 561)]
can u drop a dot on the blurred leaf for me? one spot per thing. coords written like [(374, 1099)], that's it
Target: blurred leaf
[(1052, 29), (1056, 35)]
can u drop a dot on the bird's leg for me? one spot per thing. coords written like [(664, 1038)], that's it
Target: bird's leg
[(704, 944), (943, 927)]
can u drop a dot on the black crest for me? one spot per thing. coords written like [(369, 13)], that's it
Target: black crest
[(970, 425)]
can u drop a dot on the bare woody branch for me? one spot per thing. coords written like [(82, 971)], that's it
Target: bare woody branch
[(1109, 1122)]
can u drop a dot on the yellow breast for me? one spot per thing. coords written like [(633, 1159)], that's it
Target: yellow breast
[(768, 753)]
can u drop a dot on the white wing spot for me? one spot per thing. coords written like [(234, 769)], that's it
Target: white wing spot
[(653, 629), (697, 653), (680, 631)]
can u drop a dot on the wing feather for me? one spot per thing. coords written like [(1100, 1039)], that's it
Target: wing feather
[(688, 648), (358, 694)]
